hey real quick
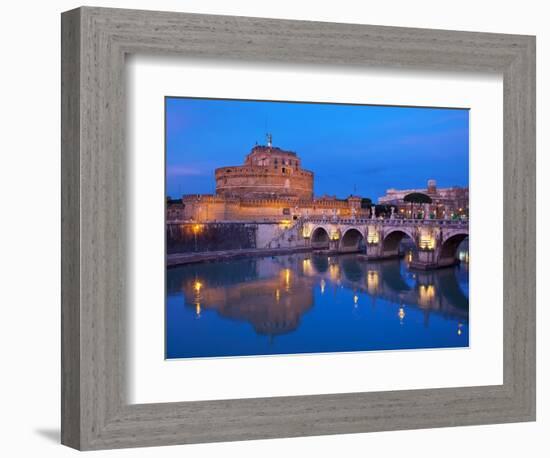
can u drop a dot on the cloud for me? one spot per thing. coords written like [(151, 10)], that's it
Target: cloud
[(182, 171)]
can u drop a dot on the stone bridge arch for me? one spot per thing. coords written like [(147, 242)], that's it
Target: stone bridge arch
[(320, 237), (352, 240), (392, 238), (449, 245)]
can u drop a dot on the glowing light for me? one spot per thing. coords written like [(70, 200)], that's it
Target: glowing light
[(323, 284), (426, 295), (286, 278), (355, 299), (372, 237), (197, 228), (335, 235), (277, 295), (306, 264), (427, 242), (401, 314), (334, 272), (197, 286), (306, 232), (373, 281), (285, 224), (459, 331)]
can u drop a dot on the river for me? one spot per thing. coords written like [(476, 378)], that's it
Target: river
[(308, 303)]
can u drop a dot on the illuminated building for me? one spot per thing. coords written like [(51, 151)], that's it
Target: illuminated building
[(446, 202), (270, 185)]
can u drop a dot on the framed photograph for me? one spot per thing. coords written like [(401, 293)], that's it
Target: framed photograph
[(309, 271), (278, 228)]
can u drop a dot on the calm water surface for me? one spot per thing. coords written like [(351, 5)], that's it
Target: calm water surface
[(305, 303)]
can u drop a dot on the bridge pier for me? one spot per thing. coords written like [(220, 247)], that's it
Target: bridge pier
[(375, 251), (333, 246), (424, 260)]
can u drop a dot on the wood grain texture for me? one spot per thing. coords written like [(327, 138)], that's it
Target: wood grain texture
[(95, 413), (70, 229)]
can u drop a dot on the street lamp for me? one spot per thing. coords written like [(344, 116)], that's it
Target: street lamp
[(196, 229)]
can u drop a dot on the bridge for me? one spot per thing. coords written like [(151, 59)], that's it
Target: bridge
[(436, 240)]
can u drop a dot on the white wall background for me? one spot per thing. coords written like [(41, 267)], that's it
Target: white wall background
[(29, 228)]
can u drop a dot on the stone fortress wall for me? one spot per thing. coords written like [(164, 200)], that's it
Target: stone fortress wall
[(202, 208)]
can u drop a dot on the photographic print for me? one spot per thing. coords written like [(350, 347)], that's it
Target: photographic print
[(306, 228)]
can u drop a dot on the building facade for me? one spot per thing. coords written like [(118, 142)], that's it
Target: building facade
[(446, 203)]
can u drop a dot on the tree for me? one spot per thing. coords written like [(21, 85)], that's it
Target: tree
[(383, 210), (366, 202), (417, 198)]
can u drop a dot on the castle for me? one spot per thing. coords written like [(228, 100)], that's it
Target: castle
[(271, 185)]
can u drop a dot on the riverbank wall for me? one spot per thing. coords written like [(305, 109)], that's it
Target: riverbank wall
[(188, 238), (179, 259)]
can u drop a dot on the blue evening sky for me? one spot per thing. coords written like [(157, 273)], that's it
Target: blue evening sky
[(352, 149)]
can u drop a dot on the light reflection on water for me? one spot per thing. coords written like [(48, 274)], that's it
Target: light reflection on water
[(307, 303)]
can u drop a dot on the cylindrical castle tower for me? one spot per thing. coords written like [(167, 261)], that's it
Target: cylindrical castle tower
[(268, 172)]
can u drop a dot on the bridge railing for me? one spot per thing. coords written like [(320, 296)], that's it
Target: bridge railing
[(331, 220), (389, 221)]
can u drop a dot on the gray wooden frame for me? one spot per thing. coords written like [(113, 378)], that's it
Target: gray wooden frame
[(95, 413)]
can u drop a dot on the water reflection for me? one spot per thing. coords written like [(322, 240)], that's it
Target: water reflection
[(312, 303)]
